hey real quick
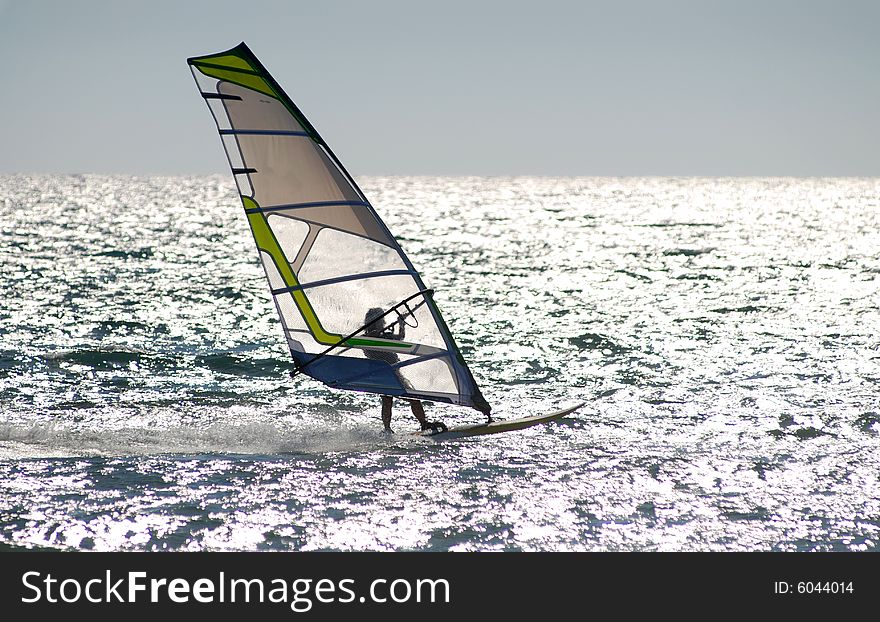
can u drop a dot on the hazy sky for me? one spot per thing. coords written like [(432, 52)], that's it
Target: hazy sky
[(447, 87)]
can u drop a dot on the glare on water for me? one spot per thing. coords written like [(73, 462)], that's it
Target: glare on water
[(723, 333)]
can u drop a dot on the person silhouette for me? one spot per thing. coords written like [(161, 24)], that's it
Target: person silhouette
[(375, 326)]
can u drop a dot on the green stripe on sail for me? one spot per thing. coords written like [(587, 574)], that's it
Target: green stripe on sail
[(239, 77), (267, 242), (355, 341), (226, 60), (238, 70)]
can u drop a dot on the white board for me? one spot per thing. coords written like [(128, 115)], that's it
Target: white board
[(497, 426)]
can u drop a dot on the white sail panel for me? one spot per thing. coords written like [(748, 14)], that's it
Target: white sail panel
[(355, 219), (326, 262), (290, 170), (256, 111)]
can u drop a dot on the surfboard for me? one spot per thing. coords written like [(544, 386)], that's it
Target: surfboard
[(499, 425)]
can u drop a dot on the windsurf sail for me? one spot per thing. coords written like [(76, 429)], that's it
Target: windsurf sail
[(355, 313)]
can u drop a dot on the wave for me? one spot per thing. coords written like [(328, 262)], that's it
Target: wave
[(243, 366), (141, 253), (106, 359), (594, 341), (95, 357), (255, 439)]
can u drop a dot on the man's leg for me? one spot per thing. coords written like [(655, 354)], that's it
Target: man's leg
[(386, 412), (419, 412)]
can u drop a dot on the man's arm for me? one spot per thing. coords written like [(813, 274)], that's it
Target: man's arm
[(399, 333)]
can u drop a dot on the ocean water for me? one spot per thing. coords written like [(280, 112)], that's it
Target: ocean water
[(723, 333)]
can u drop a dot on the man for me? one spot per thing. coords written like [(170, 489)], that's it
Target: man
[(375, 326)]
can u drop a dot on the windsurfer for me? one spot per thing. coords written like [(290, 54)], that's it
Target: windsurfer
[(375, 326)]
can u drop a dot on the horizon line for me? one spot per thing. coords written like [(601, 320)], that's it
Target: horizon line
[(464, 175)]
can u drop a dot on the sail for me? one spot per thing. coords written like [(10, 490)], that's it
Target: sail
[(355, 313)]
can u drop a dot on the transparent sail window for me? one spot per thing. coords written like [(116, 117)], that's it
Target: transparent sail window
[(275, 279), (244, 186), (219, 112), (343, 308), (289, 312), (232, 151), (206, 84), (431, 376), (289, 232), (337, 253)]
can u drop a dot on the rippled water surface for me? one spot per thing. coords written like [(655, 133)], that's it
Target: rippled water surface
[(723, 333)]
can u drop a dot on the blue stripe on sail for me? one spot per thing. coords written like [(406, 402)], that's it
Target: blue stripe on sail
[(339, 371), (275, 208), (264, 132), (341, 279), (336, 370), (414, 361)]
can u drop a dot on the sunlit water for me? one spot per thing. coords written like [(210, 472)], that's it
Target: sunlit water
[(723, 333)]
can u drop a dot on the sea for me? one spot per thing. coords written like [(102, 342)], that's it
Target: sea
[(722, 333)]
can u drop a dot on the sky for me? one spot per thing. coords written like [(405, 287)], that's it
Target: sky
[(549, 87)]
